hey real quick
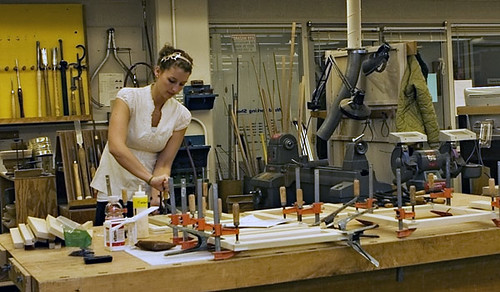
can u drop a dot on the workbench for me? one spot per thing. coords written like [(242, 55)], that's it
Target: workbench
[(456, 257)]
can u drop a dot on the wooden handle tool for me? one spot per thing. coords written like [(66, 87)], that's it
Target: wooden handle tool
[(82, 158), (300, 202), (38, 79), (192, 204), (356, 189), (236, 218), (76, 176), (283, 198)]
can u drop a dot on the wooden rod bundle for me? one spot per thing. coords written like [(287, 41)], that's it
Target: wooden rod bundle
[(278, 87), (240, 145), (262, 95), (290, 76), (270, 100)]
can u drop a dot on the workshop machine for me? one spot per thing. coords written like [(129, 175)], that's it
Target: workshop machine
[(336, 183), (416, 164)]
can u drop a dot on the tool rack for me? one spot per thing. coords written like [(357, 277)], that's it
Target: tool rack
[(66, 153), (21, 26)]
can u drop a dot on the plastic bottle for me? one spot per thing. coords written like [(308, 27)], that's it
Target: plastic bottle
[(140, 203), (114, 216)]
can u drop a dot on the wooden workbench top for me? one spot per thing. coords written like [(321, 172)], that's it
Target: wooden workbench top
[(53, 270)]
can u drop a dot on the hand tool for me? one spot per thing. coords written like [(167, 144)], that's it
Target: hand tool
[(82, 159), (184, 205), (45, 69), (299, 194), (19, 91), (283, 199), (92, 162), (300, 203), (236, 218), (316, 192), (216, 215), (79, 68), (54, 79), (13, 99), (173, 211), (73, 89), (38, 79), (353, 240), (97, 145), (76, 176), (331, 217), (200, 198), (63, 66), (192, 205), (413, 198), (111, 46)]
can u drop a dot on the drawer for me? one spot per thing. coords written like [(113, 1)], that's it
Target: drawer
[(19, 276)]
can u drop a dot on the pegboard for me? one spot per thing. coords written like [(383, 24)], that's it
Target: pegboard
[(21, 26)]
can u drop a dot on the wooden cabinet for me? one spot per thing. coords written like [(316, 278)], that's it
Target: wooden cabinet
[(34, 196)]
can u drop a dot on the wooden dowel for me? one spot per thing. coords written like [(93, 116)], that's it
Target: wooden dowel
[(285, 113), (278, 87), (290, 76)]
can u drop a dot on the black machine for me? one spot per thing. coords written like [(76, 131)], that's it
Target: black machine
[(336, 183), (444, 163)]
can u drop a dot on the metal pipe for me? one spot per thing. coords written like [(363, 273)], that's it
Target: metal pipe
[(171, 190), (216, 214)]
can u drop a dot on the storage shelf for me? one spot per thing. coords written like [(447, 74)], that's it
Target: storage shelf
[(38, 120)]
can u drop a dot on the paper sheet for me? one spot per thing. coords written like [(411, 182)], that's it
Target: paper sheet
[(155, 258), (252, 221)]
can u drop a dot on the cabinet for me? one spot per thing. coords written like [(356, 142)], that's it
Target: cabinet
[(33, 196)]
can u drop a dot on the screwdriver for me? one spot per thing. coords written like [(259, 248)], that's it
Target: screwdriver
[(19, 91), (13, 99)]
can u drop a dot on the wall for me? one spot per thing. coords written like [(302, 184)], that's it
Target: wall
[(273, 11)]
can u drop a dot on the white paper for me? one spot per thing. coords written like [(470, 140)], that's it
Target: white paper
[(460, 86), (158, 257), (252, 221)]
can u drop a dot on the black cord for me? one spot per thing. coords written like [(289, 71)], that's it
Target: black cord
[(132, 76), (369, 124), (384, 128), (191, 161)]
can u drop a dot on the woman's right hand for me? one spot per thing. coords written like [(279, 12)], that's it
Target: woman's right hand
[(160, 182)]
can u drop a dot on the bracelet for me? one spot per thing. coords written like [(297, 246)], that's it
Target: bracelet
[(149, 180)]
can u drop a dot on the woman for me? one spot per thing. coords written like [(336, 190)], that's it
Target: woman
[(146, 129)]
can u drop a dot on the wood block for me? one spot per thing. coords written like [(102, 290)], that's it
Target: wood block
[(68, 223), (482, 205), (17, 240), (26, 234), (54, 226), (411, 48), (39, 228)]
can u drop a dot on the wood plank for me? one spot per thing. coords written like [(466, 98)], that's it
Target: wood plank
[(39, 228), (17, 239), (479, 110), (26, 234), (277, 238), (54, 227)]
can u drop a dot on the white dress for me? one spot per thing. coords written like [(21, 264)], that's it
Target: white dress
[(143, 140)]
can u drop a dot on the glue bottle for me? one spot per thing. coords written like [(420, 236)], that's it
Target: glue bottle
[(140, 202), (114, 216)]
